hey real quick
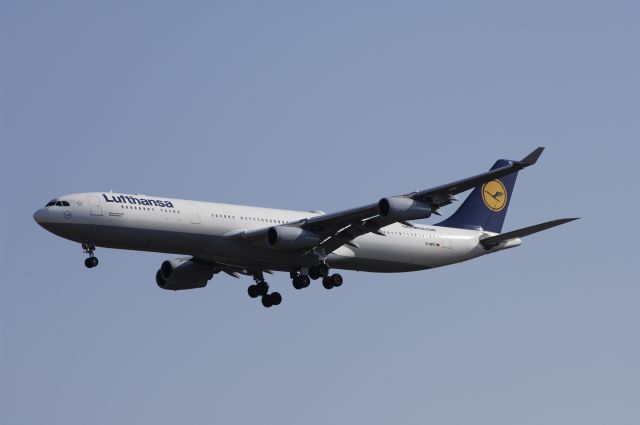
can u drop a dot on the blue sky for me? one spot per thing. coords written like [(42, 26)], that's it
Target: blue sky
[(322, 106)]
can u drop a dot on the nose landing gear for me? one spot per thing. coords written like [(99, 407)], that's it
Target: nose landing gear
[(92, 261)]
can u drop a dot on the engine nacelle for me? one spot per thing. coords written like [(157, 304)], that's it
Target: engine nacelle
[(286, 237), (183, 273), (400, 209)]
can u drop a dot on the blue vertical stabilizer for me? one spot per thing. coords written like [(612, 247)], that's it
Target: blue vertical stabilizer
[(486, 207)]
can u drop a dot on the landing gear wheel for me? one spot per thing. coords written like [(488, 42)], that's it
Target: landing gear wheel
[(336, 279), (297, 282), (253, 291), (314, 273), (327, 282), (276, 298), (91, 262), (300, 282), (266, 301)]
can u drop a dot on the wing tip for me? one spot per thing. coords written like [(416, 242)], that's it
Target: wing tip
[(569, 219), (532, 158)]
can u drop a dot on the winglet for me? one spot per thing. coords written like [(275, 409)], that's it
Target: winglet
[(532, 158)]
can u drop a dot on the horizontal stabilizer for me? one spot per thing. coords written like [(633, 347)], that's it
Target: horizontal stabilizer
[(492, 241)]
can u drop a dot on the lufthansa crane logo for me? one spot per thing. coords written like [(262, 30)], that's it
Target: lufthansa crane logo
[(494, 195)]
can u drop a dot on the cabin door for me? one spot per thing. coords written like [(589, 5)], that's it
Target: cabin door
[(94, 204), (193, 213)]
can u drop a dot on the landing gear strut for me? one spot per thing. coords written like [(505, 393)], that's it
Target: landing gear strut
[(92, 261), (261, 289), (321, 270)]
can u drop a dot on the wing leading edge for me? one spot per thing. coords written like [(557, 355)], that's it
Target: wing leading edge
[(340, 228)]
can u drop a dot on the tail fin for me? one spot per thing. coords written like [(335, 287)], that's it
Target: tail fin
[(486, 207)]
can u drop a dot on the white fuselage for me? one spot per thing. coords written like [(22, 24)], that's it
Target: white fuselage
[(204, 230)]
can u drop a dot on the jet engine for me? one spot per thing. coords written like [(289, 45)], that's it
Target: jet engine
[(183, 273), (286, 237), (400, 209)]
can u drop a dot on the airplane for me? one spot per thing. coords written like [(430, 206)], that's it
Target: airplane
[(380, 237)]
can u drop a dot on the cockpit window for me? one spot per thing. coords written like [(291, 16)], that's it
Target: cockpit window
[(57, 203)]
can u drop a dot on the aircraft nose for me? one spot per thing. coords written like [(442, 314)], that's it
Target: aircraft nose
[(41, 215)]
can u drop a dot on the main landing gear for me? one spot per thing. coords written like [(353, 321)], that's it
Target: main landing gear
[(261, 289), (320, 271), (92, 261)]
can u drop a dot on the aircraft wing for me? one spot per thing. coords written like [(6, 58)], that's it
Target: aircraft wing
[(340, 228), (233, 271)]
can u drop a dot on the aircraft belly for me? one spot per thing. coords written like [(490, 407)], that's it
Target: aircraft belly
[(245, 255), (370, 265), (133, 238), (397, 253)]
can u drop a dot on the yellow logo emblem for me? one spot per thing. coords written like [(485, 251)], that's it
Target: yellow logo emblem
[(494, 195)]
